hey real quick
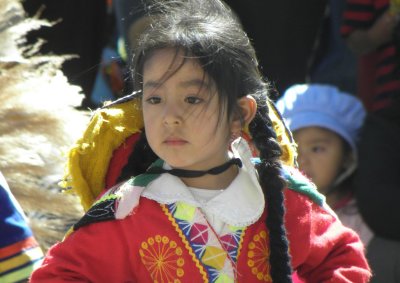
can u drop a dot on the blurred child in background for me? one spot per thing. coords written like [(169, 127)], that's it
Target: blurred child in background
[(325, 123)]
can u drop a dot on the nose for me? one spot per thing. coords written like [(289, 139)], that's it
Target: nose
[(172, 114)]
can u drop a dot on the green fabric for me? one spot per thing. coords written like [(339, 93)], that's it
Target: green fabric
[(143, 180), (19, 274), (301, 184)]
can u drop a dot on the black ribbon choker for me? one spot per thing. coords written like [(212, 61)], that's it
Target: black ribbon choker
[(195, 173)]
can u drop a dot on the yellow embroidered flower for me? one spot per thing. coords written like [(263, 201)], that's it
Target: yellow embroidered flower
[(163, 259), (258, 257)]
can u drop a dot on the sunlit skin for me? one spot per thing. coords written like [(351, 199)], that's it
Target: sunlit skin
[(321, 156), (181, 118)]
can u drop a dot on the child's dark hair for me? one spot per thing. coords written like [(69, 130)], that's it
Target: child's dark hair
[(208, 31)]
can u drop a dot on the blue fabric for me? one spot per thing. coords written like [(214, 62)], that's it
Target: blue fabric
[(101, 90), (13, 227), (307, 105)]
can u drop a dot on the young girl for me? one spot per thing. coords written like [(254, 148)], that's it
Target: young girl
[(201, 212)]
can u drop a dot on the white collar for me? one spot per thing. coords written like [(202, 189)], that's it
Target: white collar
[(241, 204)]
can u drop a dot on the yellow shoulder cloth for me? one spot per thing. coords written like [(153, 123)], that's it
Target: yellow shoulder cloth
[(88, 159)]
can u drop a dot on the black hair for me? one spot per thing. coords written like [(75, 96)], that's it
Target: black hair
[(208, 31)]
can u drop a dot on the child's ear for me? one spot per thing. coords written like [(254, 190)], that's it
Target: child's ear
[(247, 108)]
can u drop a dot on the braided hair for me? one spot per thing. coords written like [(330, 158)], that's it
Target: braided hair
[(209, 31), (264, 138)]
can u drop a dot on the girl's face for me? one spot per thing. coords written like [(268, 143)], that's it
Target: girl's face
[(181, 113), (321, 155)]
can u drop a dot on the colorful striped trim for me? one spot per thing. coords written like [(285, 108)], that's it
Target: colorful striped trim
[(20, 259), (16, 248), (187, 245), (240, 244), (20, 274)]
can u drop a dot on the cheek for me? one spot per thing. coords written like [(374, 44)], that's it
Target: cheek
[(147, 124), (203, 121), (149, 127), (200, 116), (330, 170), (149, 116), (211, 130)]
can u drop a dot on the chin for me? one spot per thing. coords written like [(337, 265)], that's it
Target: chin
[(174, 163), (183, 164), (178, 165)]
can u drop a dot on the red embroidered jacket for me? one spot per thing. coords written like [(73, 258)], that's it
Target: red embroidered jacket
[(151, 246)]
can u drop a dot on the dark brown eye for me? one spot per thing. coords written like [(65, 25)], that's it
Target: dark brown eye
[(193, 100), (153, 100)]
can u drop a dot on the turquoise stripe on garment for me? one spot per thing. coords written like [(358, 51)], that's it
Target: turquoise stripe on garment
[(299, 183)]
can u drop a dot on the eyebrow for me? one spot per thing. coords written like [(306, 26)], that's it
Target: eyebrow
[(196, 82), (152, 84), (184, 84)]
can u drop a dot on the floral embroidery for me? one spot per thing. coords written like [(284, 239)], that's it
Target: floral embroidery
[(163, 259), (258, 257)]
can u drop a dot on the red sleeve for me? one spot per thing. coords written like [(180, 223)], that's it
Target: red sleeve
[(322, 249), (359, 14), (85, 256)]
